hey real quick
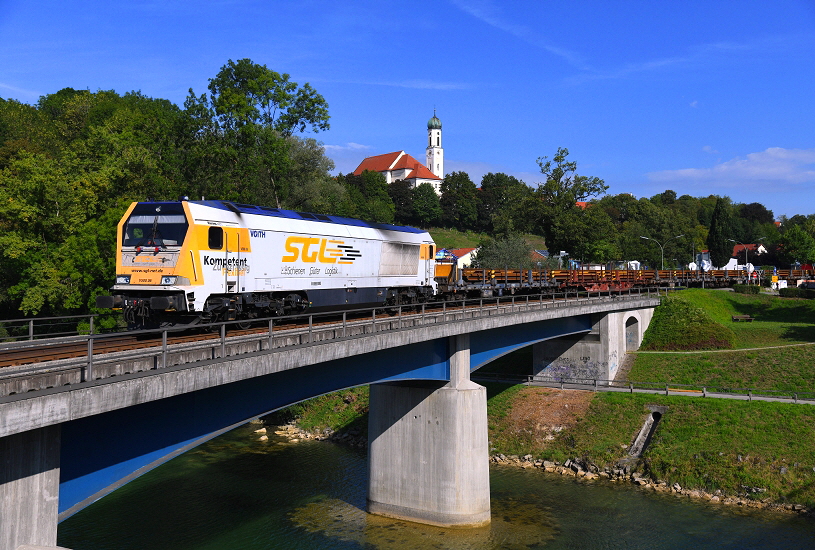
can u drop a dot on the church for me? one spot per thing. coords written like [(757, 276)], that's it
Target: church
[(401, 166)]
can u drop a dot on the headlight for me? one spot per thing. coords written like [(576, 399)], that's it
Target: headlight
[(122, 279), (168, 279)]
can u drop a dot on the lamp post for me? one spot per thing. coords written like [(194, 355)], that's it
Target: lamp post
[(661, 248)]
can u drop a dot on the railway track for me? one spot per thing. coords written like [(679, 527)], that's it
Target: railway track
[(45, 350)]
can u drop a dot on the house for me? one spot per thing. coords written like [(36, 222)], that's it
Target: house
[(462, 257), (751, 251), (400, 166)]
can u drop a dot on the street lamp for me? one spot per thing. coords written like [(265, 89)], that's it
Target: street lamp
[(661, 248)]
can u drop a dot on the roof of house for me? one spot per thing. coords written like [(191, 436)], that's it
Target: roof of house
[(460, 252), (398, 160), (739, 248)]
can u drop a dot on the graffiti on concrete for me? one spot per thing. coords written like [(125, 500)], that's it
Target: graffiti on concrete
[(564, 368)]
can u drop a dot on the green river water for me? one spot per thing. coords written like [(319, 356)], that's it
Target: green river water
[(237, 492)]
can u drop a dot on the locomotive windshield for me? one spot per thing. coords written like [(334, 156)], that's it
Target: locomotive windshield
[(155, 224)]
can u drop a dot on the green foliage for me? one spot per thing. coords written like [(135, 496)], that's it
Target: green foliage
[(333, 411), (501, 202), (797, 246), (555, 211), (792, 292), (245, 93), (721, 229), (509, 252), (401, 193), (747, 289), (679, 325), (459, 201), (369, 194), (426, 207)]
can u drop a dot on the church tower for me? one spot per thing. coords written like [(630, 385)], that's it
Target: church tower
[(435, 153)]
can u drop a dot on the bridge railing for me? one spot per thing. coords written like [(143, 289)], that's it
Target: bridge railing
[(39, 328), (155, 351), (659, 388)]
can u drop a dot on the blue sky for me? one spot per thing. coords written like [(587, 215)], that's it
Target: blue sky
[(699, 97)]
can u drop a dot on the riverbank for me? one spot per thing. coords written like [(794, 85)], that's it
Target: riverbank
[(536, 428)]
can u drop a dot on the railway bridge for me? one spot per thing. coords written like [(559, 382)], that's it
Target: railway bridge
[(73, 430)]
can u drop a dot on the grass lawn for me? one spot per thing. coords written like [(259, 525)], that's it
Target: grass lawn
[(700, 443), (778, 322)]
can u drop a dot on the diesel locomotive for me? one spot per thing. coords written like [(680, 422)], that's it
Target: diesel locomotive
[(189, 262)]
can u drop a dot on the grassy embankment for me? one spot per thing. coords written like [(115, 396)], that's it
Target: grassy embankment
[(701, 443), (452, 238)]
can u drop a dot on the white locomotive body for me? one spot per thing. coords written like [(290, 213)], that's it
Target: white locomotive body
[(194, 261)]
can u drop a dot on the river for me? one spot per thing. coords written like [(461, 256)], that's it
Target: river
[(238, 493)]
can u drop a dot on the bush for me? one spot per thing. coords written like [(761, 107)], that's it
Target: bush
[(746, 289), (679, 325), (792, 292)]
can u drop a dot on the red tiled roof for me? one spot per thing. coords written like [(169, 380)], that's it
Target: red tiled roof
[(739, 248), (378, 163), (460, 252), (398, 160)]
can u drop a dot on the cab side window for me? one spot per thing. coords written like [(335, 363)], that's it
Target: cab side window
[(216, 238)]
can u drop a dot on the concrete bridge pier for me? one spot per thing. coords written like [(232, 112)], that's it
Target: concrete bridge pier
[(594, 355), (428, 458), (29, 488)]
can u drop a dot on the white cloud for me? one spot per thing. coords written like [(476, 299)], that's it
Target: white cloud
[(776, 169), (709, 149), (487, 12), (350, 146), (694, 103), (28, 94)]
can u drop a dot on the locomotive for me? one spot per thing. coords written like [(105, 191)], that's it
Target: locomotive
[(189, 262)]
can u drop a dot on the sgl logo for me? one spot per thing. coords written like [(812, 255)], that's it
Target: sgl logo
[(316, 250)]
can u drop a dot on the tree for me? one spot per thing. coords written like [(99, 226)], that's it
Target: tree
[(459, 201), (499, 200), (245, 93), (426, 207), (311, 187), (369, 194), (721, 250), (557, 197), (511, 252), (401, 193), (797, 246), (238, 146)]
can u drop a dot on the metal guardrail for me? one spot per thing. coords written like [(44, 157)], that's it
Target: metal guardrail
[(658, 388), (34, 328), (277, 336)]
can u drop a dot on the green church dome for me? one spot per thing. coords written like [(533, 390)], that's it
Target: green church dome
[(434, 123)]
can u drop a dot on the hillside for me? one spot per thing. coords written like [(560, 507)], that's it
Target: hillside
[(453, 238)]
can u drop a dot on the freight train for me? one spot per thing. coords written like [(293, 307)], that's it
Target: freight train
[(190, 262)]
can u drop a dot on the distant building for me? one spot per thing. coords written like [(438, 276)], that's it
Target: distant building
[(401, 166), (462, 257), (753, 250)]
